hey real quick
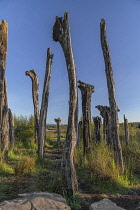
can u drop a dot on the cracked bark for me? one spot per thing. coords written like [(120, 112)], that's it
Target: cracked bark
[(126, 129), (58, 121), (44, 103), (40, 118), (35, 89), (105, 113), (4, 127), (61, 34), (86, 91), (112, 98), (97, 125), (11, 128)]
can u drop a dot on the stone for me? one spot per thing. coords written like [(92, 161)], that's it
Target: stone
[(104, 204), (36, 201)]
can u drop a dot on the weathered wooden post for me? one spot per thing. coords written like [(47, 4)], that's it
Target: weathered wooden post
[(105, 113), (58, 121), (4, 125), (11, 128), (40, 118), (44, 103), (61, 34), (97, 125), (79, 133), (126, 129), (35, 92), (86, 91), (112, 98)]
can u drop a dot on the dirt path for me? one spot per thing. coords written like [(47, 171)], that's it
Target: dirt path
[(128, 202)]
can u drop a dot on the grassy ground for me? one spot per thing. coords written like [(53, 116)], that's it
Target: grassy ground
[(98, 176)]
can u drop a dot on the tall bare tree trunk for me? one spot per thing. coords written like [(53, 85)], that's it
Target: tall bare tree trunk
[(126, 129), (112, 98), (11, 128), (35, 92), (58, 121), (97, 126), (44, 104), (61, 33), (86, 91), (4, 126)]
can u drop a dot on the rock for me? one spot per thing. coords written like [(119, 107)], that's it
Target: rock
[(36, 201), (104, 204)]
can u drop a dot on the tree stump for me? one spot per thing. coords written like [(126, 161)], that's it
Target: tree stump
[(112, 98), (58, 121), (97, 125), (61, 34), (86, 91)]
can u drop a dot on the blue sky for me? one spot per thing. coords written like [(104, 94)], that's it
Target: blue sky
[(30, 34)]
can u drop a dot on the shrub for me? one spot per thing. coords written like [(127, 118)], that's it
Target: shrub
[(24, 167)]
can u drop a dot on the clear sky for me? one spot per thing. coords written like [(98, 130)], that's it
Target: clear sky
[(30, 34)]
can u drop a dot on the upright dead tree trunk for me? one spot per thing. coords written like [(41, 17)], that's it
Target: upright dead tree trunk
[(4, 127), (79, 133), (61, 33), (112, 98), (44, 104), (97, 126), (105, 113), (58, 121), (35, 89), (126, 129), (11, 128), (40, 118), (86, 91)]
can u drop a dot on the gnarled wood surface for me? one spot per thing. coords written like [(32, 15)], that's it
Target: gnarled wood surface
[(35, 92), (112, 98), (44, 103), (61, 34), (86, 91), (97, 125), (4, 125)]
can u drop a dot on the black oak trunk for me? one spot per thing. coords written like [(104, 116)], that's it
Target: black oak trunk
[(61, 34), (86, 91), (112, 98)]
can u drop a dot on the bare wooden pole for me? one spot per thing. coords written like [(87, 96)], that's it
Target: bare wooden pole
[(112, 98), (4, 125), (11, 128), (79, 133), (44, 104), (35, 92), (105, 113), (86, 91), (126, 129), (61, 34), (58, 121), (97, 125)]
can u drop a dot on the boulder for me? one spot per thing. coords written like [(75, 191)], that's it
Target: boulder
[(36, 201), (104, 204)]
